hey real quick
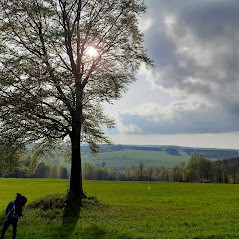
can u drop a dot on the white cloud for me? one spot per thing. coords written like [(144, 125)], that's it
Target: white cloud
[(129, 128), (170, 113), (145, 24)]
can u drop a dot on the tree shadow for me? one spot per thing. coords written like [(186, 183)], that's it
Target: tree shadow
[(66, 212), (97, 232), (60, 207), (71, 215)]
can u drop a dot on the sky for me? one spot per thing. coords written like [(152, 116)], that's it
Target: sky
[(190, 97)]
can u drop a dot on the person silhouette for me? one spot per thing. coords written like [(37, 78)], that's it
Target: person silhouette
[(14, 212)]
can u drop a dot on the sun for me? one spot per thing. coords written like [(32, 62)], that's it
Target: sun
[(91, 51)]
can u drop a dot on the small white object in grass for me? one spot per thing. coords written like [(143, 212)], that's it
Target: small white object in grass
[(148, 187)]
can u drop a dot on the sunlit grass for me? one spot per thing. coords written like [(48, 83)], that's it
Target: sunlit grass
[(130, 210)]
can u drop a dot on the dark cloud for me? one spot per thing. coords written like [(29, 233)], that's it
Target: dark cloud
[(195, 48), (212, 20), (199, 49)]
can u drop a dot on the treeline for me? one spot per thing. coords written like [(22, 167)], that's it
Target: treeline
[(111, 148), (198, 169), (39, 170), (213, 153)]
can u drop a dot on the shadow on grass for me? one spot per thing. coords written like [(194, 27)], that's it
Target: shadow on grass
[(97, 232), (57, 217), (71, 215)]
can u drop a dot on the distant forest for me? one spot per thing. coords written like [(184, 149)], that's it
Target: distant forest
[(198, 169), (39, 170)]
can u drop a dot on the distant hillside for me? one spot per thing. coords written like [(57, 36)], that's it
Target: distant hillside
[(124, 156), (176, 150), (215, 153), (107, 148)]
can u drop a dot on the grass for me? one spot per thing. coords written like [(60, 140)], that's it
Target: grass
[(128, 158), (129, 210)]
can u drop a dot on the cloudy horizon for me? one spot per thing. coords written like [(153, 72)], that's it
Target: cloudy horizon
[(190, 97)]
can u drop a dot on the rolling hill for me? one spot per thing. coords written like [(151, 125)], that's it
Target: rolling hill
[(124, 156), (132, 158)]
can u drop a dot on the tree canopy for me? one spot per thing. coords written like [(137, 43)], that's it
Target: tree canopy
[(12, 151), (59, 60)]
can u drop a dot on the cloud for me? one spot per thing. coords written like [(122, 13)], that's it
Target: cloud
[(145, 24), (203, 58), (127, 128), (183, 117), (195, 48)]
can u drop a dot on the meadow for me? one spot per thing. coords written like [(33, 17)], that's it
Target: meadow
[(128, 210), (128, 158)]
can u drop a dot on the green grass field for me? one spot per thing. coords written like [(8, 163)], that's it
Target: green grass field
[(128, 158), (129, 210)]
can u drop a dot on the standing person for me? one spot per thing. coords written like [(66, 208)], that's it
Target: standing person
[(13, 212)]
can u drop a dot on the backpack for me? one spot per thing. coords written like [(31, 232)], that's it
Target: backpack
[(15, 208), (9, 207)]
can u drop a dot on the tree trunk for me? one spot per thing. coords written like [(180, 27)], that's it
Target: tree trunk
[(76, 189)]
